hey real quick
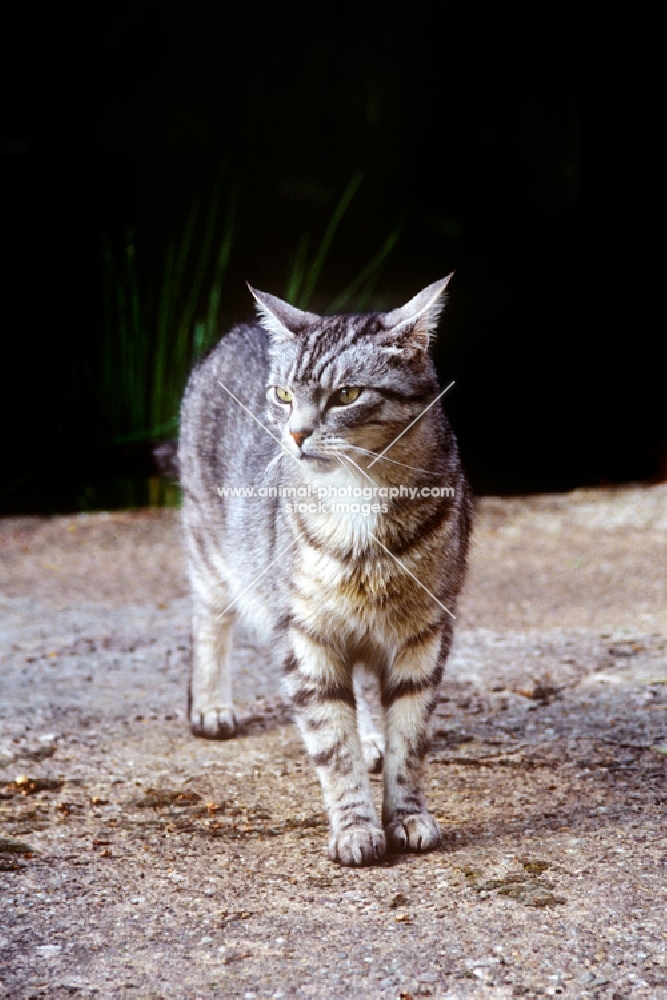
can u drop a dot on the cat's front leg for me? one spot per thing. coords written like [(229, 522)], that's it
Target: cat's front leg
[(321, 688), (409, 695)]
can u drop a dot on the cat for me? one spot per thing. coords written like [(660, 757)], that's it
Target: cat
[(296, 402)]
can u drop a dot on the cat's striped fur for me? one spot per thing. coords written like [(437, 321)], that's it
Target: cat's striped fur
[(345, 588)]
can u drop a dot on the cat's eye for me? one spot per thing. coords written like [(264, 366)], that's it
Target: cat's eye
[(346, 395), (283, 395)]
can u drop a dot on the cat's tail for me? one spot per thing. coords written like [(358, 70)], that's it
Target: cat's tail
[(165, 456)]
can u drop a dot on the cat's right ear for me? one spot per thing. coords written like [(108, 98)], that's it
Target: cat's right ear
[(282, 321)]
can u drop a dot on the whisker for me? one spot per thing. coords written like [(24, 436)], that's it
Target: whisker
[(358, 467), (393, 461), (331, 444), (340, 461)]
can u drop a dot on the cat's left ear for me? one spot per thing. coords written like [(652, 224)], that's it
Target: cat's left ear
[(412, 326), (281, 320)]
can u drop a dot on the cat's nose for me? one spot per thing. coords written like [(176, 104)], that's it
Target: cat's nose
[(300, 436)]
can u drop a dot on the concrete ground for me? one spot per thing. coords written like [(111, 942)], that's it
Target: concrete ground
[(136, 861)]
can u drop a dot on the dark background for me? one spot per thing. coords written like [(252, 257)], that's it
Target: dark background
[(516, 148)]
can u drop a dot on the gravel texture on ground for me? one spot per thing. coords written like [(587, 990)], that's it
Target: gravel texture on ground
[(137, 861)]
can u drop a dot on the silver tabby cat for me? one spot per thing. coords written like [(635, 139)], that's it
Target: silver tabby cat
[(338, 405)]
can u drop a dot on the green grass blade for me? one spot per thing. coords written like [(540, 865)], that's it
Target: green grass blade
[(297, 270), (323, 249), (212, 324), (368, 276), (189, 312)]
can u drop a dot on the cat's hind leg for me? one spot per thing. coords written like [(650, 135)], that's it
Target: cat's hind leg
[(211, 709)]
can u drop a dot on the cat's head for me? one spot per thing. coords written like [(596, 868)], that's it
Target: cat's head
[(348, 383)]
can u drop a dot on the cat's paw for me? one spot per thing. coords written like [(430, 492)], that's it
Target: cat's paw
[(360, 845), (417, 832), (372, 748), (214, 724)]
